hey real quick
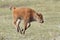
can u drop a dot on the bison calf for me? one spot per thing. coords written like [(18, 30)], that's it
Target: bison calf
[(28, 15)]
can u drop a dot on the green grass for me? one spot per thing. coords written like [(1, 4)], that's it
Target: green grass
[(49, 30)]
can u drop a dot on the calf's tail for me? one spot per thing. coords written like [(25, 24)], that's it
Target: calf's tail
[(12, 7)]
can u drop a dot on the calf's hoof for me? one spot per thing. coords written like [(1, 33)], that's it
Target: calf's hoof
[(17, 30), (20, 31)]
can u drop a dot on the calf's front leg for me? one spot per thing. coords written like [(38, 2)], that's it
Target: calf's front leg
[(26, 25)]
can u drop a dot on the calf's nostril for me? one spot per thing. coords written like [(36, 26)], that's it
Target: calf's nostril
[(42, 21)]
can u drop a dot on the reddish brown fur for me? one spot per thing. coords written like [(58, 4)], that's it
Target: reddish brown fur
[(27, 14)]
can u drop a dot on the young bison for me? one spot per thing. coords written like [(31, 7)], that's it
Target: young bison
[(28, 15)]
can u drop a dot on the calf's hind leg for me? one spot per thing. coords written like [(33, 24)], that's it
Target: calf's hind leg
[(16, 23)]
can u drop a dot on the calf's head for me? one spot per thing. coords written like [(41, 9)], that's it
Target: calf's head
[(40, 18)]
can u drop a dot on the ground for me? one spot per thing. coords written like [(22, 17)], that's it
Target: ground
[(49, 30)]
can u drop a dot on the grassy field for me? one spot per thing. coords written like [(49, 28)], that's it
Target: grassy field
[(49, 30)]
